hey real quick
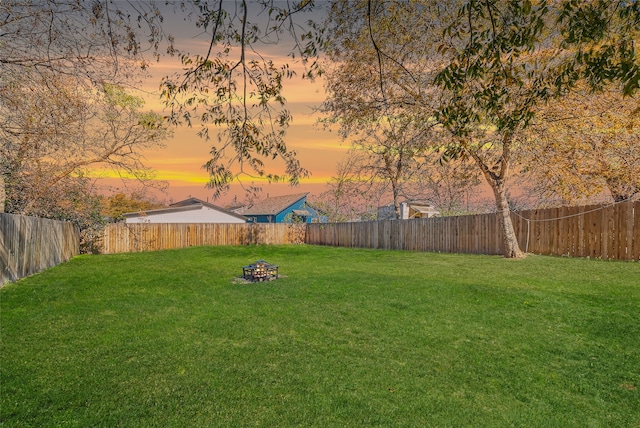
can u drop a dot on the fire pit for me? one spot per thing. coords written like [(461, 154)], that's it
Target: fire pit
[(260, 271)]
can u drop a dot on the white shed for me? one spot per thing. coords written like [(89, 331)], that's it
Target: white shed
[(189, 211), (408, 210)]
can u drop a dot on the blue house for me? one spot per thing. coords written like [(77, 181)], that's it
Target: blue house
[(283, 209)]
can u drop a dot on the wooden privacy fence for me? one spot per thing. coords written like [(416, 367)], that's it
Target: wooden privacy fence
[(121, 238), (608, 232), (29, 245)]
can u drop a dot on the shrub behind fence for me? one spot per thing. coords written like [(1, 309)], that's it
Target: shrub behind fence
[(29, 245)]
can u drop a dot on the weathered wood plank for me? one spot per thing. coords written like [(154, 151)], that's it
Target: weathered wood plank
[(29, 245), (635, 240)]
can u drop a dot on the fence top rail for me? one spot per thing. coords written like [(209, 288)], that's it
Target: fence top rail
[(584, 210)]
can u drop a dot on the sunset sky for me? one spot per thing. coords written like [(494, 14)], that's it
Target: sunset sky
[(180, 163)]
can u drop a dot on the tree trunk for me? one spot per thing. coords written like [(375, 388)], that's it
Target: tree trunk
[(396, 202), (496, 176), (510, 247), (621, 190)]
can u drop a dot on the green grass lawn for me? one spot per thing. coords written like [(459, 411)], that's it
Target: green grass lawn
[(345, 337)]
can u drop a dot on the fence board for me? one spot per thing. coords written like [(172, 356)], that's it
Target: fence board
[(635, 241), (29, 245)]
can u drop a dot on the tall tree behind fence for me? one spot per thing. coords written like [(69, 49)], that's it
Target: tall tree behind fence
[(608, 232), (119, 238), (29, 245)]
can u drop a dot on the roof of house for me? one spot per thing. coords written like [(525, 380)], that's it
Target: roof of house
[(189, 201), (424, 209), (273, 205), (185, 205)]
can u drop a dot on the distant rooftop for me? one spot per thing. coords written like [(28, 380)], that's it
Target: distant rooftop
[(273, 205)]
